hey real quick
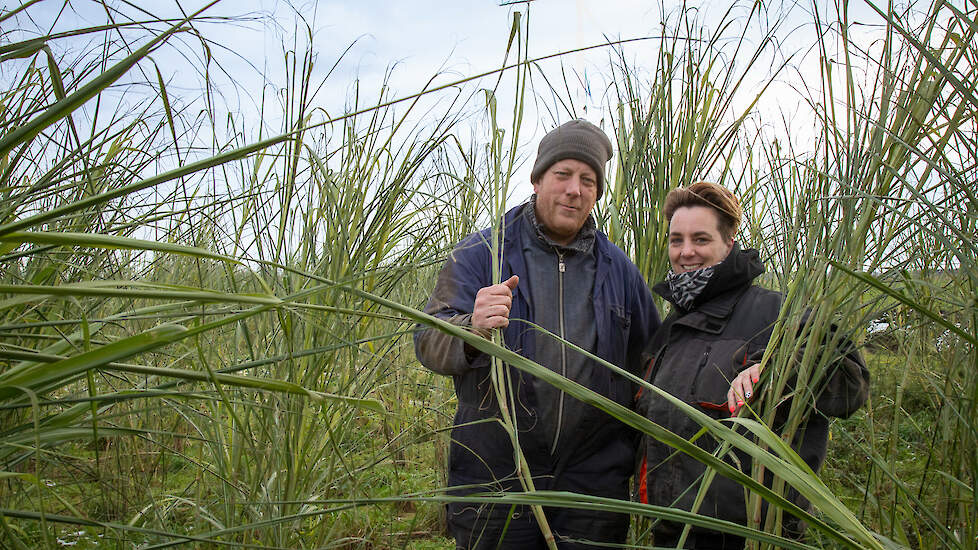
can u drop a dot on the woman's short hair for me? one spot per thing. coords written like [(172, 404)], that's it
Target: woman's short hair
[(710, 195)]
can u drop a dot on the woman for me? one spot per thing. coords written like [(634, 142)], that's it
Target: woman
[(705, 353)]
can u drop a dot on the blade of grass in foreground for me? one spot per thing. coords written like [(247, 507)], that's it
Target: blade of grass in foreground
[(535, 498), (69, 104), (38, 376), (810, 487), (42, 375), (95, 240)]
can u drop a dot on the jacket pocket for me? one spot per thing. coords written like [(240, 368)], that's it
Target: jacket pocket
[(622, 318), (715, 373), (699, 388), (621, 324), (480, 450), (621, 390)]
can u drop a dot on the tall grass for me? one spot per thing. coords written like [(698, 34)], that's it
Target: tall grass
[(208, 344), (686, 121), (879, 237), (251, 378)]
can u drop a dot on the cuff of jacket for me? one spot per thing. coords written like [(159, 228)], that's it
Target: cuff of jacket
[(444, 353)]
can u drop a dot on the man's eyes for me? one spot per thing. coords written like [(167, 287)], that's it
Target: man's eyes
[(564, 174)]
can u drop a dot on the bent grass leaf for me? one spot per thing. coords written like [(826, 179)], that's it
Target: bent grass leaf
[(111, 526), (906, 300), (41, 375), (55, 436), (775, 442), (24, 51), (265, 384), (535, 498), (138, 290), (69, 104), (176, 173), (809, 486), (95, 240)]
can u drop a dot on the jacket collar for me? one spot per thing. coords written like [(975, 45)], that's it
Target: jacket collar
[(712, 308), (513, 236)]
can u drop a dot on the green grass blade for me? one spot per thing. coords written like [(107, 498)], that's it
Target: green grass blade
[(69, 104), (109, 242), (44, 374)]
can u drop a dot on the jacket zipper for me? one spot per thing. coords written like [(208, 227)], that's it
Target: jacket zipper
[(563, 349)]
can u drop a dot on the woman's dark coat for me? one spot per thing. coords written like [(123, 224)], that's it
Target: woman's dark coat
[(695, 355)]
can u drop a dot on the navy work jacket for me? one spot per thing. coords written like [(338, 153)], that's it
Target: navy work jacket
[(625, 318)]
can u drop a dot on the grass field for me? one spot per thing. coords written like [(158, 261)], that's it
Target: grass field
[(205, 332)]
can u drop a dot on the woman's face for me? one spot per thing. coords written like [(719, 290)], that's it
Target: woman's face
[(694, 239)]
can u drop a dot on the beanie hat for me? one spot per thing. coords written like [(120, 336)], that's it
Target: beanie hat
[(578, 140)]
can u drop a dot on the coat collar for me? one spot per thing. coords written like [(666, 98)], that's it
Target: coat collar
[(712, 308), (513, 236)]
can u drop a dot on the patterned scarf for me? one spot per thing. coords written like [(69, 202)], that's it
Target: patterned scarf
[(686, 286)]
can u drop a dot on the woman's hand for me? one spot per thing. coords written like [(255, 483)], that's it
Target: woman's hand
[(742, 388)]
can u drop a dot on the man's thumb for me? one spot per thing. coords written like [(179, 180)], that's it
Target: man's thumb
[(511, 282)]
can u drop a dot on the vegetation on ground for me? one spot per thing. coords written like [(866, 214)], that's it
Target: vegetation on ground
[(205, 329)]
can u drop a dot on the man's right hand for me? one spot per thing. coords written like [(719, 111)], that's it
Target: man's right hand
[(492, 304)]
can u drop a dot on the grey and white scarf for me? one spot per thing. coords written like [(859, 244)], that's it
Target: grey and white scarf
[(686, 286)]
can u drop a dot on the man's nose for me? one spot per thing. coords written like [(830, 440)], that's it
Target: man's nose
[(573, 185)]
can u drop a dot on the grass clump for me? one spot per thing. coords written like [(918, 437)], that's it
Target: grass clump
[(205, 339)]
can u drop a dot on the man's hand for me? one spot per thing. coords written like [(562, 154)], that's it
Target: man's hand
[(492, 304), (742, 388)]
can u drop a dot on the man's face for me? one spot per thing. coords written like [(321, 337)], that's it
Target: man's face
[(695, 241), (566, 193)]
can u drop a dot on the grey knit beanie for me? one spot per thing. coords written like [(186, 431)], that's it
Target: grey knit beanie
[(578, 140)]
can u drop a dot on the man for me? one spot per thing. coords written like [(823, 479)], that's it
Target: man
[(569, 279)]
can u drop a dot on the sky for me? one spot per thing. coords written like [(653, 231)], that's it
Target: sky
[(404, 43)]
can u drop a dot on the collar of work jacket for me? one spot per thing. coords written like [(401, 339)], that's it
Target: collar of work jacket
[(712, 308), (608, 297), (516, 263)]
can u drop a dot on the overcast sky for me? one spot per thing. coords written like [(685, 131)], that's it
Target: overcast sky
[(409, 40), (414, 40)]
